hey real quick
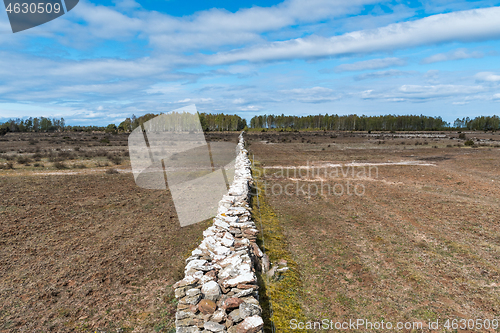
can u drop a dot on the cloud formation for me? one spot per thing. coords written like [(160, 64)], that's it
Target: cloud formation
[(107, 62), (487, 77), (370, 64), (453, 55), (465, 26)]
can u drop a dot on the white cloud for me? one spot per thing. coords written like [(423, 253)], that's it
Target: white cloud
[(311, 95), (466, 26), (383, 74), (452, 55), (487, 77), (423, 93), (370, 64)]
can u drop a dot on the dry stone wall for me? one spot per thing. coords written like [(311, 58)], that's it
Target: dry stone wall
[(219, 292)]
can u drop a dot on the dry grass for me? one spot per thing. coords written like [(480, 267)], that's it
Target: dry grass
[(422, 243)]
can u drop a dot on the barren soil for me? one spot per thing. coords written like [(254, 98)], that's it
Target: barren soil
[(422, 242), (82, 250)]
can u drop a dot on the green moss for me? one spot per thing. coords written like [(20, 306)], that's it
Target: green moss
[(279, 296)]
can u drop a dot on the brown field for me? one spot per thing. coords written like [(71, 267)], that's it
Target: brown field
[(422, 240), (83, 249)]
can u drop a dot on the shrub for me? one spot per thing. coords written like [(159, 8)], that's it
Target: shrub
[(461, 136), (38, 165), (104, 140), (8, 165), (60, 165), (23, 160), (115, 159), (469, 143), (8, 157), (79, 166), (99, 164)]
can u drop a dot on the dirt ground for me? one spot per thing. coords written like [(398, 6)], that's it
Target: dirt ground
[(83, 250), (420, 239)]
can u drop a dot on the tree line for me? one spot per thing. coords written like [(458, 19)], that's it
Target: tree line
[(225, 122), (209, 122), (43, 124), (372, 123)]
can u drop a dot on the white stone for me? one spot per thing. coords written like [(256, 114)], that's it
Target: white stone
[(211, 290)]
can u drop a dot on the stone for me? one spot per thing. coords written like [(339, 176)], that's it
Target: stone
[(247, 278), (221, 224), (199, 322), (187, 281), (250, 325), (256, 250), (184, 322), (213, 326), (244, 293), (250, 300), (180, 292), (191, 329), (211, 290), (235, 316), (183, 315), (247, 286), (181, 307), (191, 299), (249, 310), (193, 292), (207, 306), (219, 315), (222, 250), (232, 303), (265, 263)]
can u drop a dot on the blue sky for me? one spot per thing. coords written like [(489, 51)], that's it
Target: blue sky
[(107, 60)]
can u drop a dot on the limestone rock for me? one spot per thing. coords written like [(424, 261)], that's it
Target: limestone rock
[(219, 315), (250, 325), (211, 291), (235, 316), (213, 326), (249, 310), (191, 329)]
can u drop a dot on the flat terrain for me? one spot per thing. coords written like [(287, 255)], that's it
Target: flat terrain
[(83, 249), (419, 241)]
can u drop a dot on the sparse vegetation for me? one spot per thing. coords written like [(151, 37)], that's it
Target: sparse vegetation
[(60, 166), (469, 143)]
